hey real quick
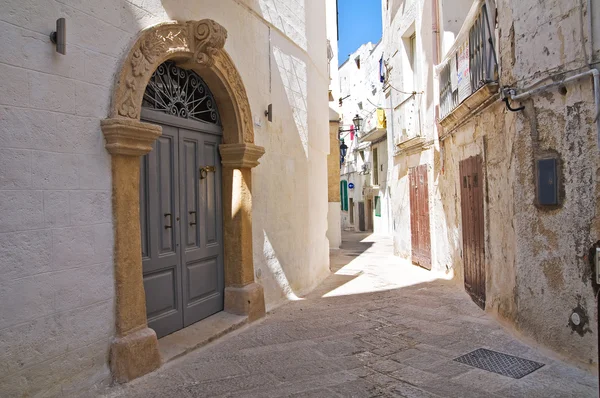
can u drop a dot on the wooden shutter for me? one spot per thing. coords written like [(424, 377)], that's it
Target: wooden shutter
[(344, 194)]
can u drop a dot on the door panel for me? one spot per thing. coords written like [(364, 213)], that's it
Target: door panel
[(471, 173), (209, 193), (162, 300), (202, 261), (144, 211), (204, 274), (165, 166), (190, 183), (419, 216), (161, 270)]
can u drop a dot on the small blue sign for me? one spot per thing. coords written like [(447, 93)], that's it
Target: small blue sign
[(351, 185)]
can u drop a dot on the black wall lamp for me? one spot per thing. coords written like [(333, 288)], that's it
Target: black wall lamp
[(60, 36), (269, 112), (343, 150), (357, 121)]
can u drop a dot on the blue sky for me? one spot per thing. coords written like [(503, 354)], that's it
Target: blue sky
[(359, 22)]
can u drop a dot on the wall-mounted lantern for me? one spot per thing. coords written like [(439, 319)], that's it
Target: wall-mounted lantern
[(343, 150), (269, 112), (357, 122)]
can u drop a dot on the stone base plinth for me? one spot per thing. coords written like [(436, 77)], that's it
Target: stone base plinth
[(248, 300), (134, 355)]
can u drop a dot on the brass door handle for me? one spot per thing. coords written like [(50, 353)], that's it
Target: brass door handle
[(205, 170)]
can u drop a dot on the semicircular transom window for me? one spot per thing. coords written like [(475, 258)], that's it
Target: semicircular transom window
[(180, 93)]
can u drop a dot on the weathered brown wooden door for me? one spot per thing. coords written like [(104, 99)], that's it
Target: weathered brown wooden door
[(471, 194), (419, 216)]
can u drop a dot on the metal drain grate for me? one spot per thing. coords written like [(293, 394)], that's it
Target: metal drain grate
[(497, 362)]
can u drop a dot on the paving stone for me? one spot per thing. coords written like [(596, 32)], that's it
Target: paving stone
[(358, 388), (426, 361), (450, 369), (361, 371), (233, 384), (381, 380), (448, 389), (295, 373), (403, 355), (337, 348), (483, 380), (393, 348), (405, 390), (213, 370), (297, 387), (319, 393), (386, 366), (414, 376)]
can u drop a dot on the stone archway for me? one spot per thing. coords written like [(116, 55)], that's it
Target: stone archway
[(196, 45)]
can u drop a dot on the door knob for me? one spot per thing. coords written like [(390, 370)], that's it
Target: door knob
[(205, 170)]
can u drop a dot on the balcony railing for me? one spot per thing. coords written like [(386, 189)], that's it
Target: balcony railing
[(471, 62)]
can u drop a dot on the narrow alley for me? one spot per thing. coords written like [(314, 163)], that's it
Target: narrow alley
[(377, 326)]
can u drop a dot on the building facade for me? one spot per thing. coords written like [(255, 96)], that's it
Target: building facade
[(364, 171), (495, 174), (142, 185)]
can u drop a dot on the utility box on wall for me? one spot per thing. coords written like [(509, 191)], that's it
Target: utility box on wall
[(547, 182)]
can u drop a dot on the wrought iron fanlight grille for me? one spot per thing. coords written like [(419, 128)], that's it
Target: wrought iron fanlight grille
[(181, 93)]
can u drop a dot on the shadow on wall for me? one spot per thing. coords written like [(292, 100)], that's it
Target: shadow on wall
[(276, 270), (289, 16), (284, 252), (294, 78)]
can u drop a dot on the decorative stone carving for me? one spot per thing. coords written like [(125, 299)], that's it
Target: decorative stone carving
[(194, 44), (227, 68), (210, 38), (146, 54)]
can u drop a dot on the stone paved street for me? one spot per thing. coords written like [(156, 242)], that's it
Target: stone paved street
[(377, 327)]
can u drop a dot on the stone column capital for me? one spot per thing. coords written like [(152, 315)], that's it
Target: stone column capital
[(129, 137), (240, 156)]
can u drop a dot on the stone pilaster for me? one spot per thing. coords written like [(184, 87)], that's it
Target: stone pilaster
[(243, 296), (134, 350)]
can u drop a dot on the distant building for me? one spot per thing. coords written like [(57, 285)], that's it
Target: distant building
[(364, 172)]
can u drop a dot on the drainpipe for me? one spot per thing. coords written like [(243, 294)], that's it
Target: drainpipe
[(435, 18), (595, 75), (590, 29), (391, 151)]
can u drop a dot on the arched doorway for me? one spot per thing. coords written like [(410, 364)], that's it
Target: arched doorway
[(180, 202), (193, 46)]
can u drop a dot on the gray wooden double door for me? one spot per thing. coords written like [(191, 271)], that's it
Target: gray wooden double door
[(181, 228)]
